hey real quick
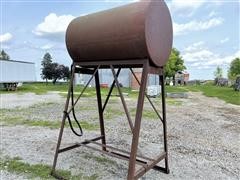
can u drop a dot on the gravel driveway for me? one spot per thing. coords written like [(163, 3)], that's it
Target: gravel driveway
[(203, 137), (10, 101)]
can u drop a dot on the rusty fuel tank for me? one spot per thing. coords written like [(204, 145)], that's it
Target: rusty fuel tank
[(134, 31)]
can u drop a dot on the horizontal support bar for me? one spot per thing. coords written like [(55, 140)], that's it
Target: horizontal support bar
[(112, 62), (120, 150), (79, 144), (150, 165), (84, 70), (140, 162)]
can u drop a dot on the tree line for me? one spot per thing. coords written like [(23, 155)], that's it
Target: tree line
[(233, 71)]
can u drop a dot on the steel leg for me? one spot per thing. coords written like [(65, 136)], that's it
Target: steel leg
[(100, 110), (136, 130), (164, 121), (63, 121)]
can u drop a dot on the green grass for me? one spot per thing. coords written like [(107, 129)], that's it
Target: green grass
[(38, 88), (62, 88), (43, 88), (13, 121), (16, 165), (149, 114), (173, 102), (225, 93), (110, 112), (99, 159), (173, 89)]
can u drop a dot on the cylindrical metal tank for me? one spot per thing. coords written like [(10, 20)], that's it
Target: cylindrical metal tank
[(134, 31)]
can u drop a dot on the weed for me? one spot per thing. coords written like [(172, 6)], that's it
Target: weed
[(147, 113), (112, 112), (173, 102), (100, 159), (16, 165), (50, 124)]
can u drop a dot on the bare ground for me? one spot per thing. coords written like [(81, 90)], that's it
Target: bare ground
[(203, 138)]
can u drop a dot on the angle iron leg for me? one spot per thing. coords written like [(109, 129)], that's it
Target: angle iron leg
[(136, 131), (63, 122), (164, 121), (100, 110)]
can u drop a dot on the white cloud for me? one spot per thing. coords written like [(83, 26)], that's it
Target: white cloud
[(47, 47), (195, 46), (223, 60), (53, 25), (194, 25), (201, 57), (212, 14), (5, 37), (189, 7), (224, 40), (185, 7)]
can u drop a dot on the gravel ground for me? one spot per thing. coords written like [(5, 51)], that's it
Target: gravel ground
[(7, 175), (10, 101), (203, 138)]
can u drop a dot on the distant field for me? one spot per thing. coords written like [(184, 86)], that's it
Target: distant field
[(225, 93), (62, 88)]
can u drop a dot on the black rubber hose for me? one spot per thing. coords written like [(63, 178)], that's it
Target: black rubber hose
[(74, 116)]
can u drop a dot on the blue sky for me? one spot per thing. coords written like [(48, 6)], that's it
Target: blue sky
[(205, 32)]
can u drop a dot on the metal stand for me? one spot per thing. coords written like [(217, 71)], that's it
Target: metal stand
[(132, 156)]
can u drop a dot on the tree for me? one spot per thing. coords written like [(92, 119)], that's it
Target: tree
[(53, 71), (47, 71), (59, 72), (47, 67), (66, 73), (234, 69), (174, 64), (218, 73), (47, 59), (4, 55)]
